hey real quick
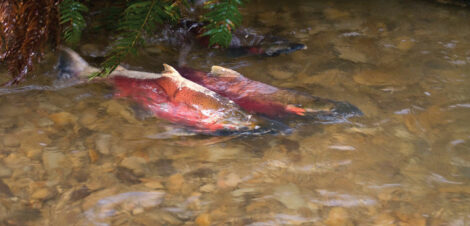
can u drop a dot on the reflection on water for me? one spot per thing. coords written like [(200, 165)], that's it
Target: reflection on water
[(75, 155)]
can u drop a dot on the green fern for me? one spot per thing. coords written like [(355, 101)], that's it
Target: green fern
[(71, 15), (140, 17), (223, 18)]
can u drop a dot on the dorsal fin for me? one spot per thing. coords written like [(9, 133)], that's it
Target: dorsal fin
[(120, 68), (167, 69), (181, 82), (224, 72)]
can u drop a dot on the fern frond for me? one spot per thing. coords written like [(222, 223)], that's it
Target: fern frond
[(139, 17), (223, 17), (71, 15)]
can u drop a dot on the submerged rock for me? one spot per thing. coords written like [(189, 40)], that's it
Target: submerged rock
[(63, 118), (290, 196), (372, 77), (42, 194), (338, 216), (203, 220), (228, 180), (4, 171), (334, 14), (136, 164), (103, 143), (103, 209), (52, 160), (175, 183), (351, 54), (11, 140)]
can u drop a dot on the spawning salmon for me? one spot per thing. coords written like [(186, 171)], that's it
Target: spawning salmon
[(258, 97), (168, 96)]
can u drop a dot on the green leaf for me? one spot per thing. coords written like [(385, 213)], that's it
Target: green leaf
[(138, 18), (223, 16), (71, 15)]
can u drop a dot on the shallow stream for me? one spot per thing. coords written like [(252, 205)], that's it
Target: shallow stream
[(76, 156)]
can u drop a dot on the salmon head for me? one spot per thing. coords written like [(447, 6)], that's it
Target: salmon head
[(258, 97), (171, 97)]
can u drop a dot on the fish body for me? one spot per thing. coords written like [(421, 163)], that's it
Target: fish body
[(244, 42), (258, 97), (169, 96)]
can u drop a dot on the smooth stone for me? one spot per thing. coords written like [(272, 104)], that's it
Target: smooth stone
[(404, 43), (45, 122), (102, 205), (381, 78), (88, 118), (11, 140), (289, 195), (243, 191), (52, 160), (4, 171), (5, 189), (384, 219), (208, 188), (153, 184), (175, 183), (113, 107), (136, 164), (137, 211), (334, 14), (48, 106), (203, 220), (338, 216), (218, 152), (280, 74), (42, 194), (34, 143), (102, 143), (351, 54), (93, 155), (228, 180), (328, 78), (410, 220), (127, 176), (63, 118)]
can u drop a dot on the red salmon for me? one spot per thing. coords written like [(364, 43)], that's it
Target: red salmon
[(169, 96), (258, 97)]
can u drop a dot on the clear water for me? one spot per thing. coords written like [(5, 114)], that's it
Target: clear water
[(76, 156)]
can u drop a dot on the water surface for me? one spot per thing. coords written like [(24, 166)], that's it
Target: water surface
[(76, 156)]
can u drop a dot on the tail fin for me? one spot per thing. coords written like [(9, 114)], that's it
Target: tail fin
[(71, 65)]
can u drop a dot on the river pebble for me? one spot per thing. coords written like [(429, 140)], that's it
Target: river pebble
[(227, 180), (5, 171), (103, 143), (338, 216), (351, 54), (136, 164), (42, 194), (63, 118), (382, 78), (175, 183), (290, 196), (11, 140), (334, 14), (203, 220), (384, 219)]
